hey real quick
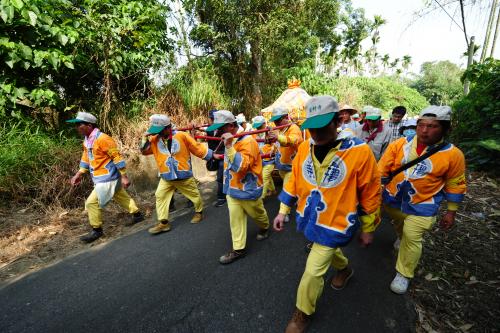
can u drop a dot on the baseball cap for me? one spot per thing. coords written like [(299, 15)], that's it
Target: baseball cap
[(410, 122), (157, 123), (372, 113), (240, 118), (278, 112), (434, 112), (221, 118), (320, 110), (258, 121), (83, 117)]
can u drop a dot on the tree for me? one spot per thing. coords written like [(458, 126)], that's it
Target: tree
[(61, 53), (439, 82)]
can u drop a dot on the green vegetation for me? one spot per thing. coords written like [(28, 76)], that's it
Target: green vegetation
[(440, 82), (477, 117)]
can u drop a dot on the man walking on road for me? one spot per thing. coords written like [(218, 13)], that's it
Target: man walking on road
[(412, 197), (287, 141), (172, 152), (242, 184), (219, 149), (259, 123), (102, 159), (335, 183), (373, 131)]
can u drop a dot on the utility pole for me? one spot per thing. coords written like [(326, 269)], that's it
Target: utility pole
[(488, 30), (495, 36), (469, 62)]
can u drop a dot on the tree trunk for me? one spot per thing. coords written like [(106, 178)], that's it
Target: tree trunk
[(488, 30), (493, 43), (256, 70)]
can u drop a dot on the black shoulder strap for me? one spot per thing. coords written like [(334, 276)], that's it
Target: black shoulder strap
[(419, 159)]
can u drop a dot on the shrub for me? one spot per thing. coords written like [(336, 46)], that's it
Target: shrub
[(476, 118)]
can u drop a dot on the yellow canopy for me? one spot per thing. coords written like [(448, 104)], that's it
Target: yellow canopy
[(294, 98)]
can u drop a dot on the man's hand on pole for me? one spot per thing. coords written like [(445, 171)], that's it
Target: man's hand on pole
[(228, 139)]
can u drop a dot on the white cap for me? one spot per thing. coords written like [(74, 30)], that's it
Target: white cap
[(372, 113), (410, 122), (258, 121), (356, 115), (436, 113), (83, 117), (278, 112), (320, 110), (157, 123), (240, 118), (221, 118)]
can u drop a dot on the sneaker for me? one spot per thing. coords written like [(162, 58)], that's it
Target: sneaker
[(220, 202), (340, 279), (162, 226), (262, 234), (136, 218), (396, 244), (232, 256), (92, 236), (287, 218), (198, 216), (400, 284), (298, 323)]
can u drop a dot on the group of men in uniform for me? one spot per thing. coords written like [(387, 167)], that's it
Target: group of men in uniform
[(332, 181)]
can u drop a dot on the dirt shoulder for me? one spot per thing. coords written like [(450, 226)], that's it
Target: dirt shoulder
[(457, 286), (32, 239)]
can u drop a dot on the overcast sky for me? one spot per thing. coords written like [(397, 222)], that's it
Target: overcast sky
[(434, 37)]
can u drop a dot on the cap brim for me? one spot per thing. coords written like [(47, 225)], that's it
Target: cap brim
[(351, 111), (274, 118), (318, 121), (155, 129), (75, 121), (373, 117), (257, 125), (213, 127)]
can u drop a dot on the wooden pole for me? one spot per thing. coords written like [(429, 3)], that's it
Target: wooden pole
[(469, 62)]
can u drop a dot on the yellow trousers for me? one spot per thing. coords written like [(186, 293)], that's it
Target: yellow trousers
[(238, 211), (94, 210), (267, 177), (311, 285), (410, 229), (166, 189)]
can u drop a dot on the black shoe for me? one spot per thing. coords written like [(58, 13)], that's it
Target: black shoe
[(136, 218), (92, 236), (232, 256), (220, 202)]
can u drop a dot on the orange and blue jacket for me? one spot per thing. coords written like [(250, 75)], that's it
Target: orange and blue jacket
[(288, 143), (333, 196), (176, 163), (102, 159), (243, 170), (420, 189), (265, 149)]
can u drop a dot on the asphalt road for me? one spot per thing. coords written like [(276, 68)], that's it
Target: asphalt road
[(173, 283)]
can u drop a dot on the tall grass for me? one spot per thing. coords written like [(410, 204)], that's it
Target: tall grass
[(35, 166)]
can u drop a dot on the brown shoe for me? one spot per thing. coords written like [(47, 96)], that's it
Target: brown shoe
[(197, 218), (162, 226), (232, 256), (298, 323), (340, 279)]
